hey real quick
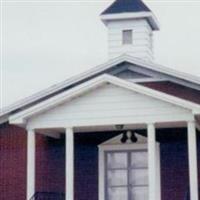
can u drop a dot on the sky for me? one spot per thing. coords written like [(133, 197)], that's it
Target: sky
[(46, 42)]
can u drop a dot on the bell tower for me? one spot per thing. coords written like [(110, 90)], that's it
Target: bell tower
[(130, 25)]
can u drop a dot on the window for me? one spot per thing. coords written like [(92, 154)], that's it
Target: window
[(127, 36), (126, 175), (151, 41)]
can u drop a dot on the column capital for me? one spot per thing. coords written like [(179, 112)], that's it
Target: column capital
[(69, 129), (148, 124), (151, 126), (30, 129), (191, 121)]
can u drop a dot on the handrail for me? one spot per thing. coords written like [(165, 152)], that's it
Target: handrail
[(48, 196)]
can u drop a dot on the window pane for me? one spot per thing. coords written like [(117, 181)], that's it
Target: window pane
[(139, 159), (139, 193), (118, 193), (127, 36), (117, 177), (117, 160), (139, 177)]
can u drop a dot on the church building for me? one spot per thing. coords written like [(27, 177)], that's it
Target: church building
[(127, 129)]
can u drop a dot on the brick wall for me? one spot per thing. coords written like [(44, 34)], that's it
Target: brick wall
[(12, 163), (50, 163), (174, 171), (176, 90)]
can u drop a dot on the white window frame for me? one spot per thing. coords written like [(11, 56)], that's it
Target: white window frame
[(123, 147)]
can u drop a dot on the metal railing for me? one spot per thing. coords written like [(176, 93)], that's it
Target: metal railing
[(187, 196), (48, 196)]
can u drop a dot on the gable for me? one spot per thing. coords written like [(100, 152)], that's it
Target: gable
[(109, 67), (137, 73), (109, 104)]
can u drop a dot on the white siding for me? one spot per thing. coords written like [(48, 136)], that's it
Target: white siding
[(109, 105), (142, 38)]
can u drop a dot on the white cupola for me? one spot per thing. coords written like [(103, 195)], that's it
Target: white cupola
[(130, 26)]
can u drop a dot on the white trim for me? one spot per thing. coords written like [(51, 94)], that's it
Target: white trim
[(149, 65), (146, 80), (21, 117), (114, 147), (127, 15), (137, 121)]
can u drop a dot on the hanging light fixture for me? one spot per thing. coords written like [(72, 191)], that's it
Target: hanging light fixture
[(124, 138), (133, 138), (129, 137)]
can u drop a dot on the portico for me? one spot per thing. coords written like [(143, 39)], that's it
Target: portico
[(101, 104)]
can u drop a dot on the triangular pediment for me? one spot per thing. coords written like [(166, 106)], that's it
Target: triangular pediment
[(117, 140), (107, 100)]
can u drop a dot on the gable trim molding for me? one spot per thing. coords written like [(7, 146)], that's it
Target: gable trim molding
[(20, 118)]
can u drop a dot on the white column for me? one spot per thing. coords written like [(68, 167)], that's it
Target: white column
[(192, 151), (30, 164), (158, 172), (69, 164), (152, 161)]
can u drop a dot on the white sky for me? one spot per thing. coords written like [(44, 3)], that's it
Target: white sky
[(47, 42)]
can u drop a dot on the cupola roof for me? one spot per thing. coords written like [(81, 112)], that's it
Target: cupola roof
[(124, 6)]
